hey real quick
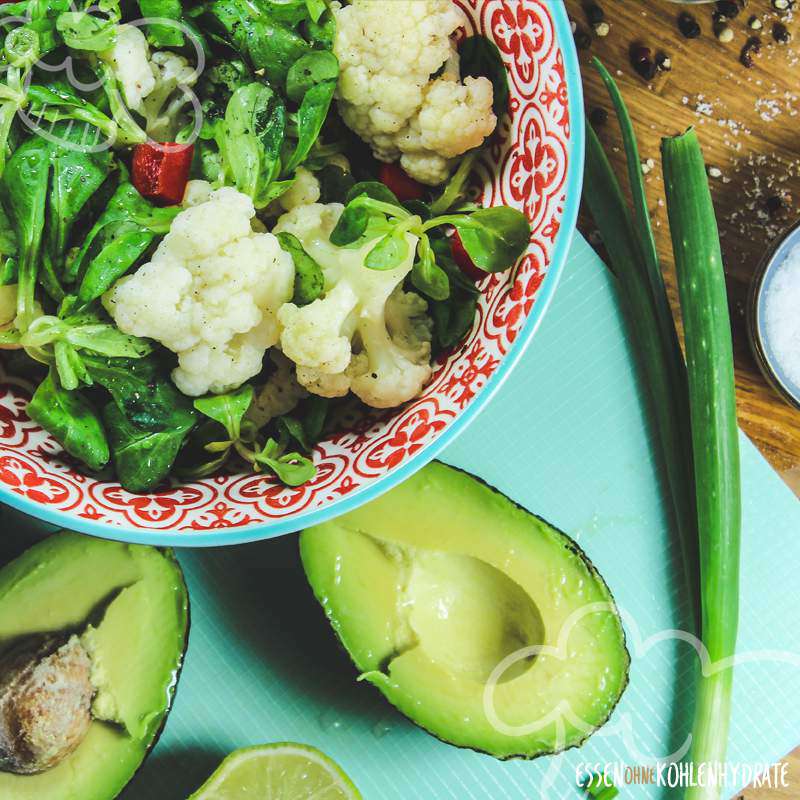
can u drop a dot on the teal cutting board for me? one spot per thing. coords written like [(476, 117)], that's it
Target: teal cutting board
[(568, 437)]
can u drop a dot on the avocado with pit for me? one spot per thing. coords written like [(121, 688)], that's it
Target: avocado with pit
[(92, 638), (480, 622)]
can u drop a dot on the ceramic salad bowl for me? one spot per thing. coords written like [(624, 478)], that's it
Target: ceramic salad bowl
[(534, 163)]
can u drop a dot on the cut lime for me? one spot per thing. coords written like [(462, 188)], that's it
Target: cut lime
[(283, 771)]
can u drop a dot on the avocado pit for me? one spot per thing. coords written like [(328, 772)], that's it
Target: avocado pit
[(45, 702)]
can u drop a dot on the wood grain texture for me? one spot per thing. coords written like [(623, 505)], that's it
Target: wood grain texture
[(748, 121)]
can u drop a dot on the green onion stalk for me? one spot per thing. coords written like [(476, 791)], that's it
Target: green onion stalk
[(709, 357)]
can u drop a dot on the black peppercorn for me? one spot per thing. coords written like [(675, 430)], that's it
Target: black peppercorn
[(641, 60), (688, 25), (727, 8), (598, 117), (583, 41), (774, 204), (780, 33), (751, 49), (594, 13)]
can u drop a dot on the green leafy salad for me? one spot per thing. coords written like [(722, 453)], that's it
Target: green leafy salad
[(222, 221)]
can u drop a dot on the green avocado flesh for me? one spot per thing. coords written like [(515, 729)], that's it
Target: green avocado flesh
[(129, 605), (477, 620)]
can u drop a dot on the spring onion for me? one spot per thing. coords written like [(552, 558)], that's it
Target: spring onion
[(633, 256), (709, 356)]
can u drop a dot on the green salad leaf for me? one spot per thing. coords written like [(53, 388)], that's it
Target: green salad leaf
[(23, 191), (227, 409), (72, 420), (83, 31), (117, 241), (162, 34), (479, 57), (250, 139), (293, 469), (309, 282), (143, 456)]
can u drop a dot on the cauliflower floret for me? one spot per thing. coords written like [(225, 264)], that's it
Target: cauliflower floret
[(318, 335), (304, 191), (388, 50), (279, 395), (210, 294), (162, 106), (392, 374), (129, 58), (364, 335)]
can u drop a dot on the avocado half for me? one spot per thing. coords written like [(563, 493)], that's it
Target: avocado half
[(480, 622), (92, 638)]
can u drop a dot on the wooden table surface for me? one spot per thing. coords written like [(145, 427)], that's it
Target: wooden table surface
[(748, 121)]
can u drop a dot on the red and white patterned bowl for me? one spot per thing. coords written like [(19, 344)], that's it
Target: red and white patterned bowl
[(535, 164)]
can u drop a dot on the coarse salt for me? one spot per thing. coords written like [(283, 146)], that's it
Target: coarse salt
[(781, 317)]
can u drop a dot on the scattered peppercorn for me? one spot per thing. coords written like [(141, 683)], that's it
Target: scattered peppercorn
[(755, 23), (582, 39), (774, 204), (602, 29), (598, 117), (751, 49), (723, 32), (780, 33), (663, 62), (594, 13), (641, 60), (688, 25), (728, 8)]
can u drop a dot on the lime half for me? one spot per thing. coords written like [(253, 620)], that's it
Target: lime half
[(283, 771)]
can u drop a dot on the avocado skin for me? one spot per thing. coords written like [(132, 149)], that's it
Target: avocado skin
[(570, 544), (124, 560)]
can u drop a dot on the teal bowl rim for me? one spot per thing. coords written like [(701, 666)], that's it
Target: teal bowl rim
[(272, 529)]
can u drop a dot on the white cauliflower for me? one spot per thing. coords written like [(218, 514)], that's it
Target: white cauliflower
[(129, 59), (364, 335), (162, 107), (388, 50), (279, 395), (303, 192), (157, 86), (210, 294)]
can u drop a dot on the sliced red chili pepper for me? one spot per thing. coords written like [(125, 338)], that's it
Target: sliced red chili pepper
[(462, 258), (397, 179), (160, 172)]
